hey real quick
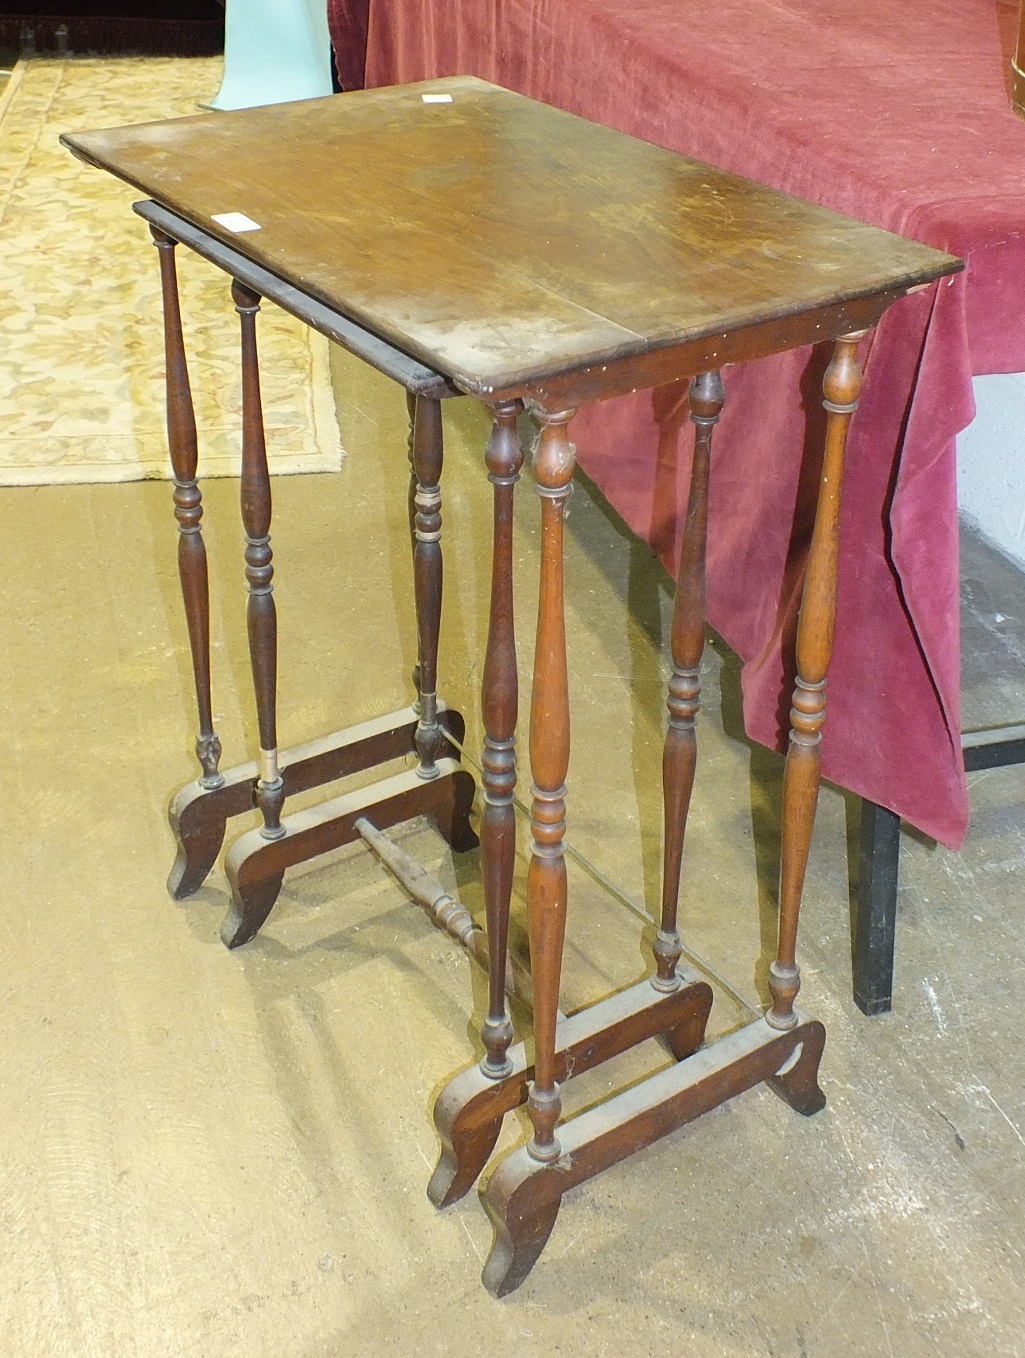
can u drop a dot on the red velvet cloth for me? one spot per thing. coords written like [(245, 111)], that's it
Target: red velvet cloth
[(347, 20), (897, 114)]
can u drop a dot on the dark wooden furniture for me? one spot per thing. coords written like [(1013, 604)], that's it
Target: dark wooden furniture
[(463, 238), (155, 27)]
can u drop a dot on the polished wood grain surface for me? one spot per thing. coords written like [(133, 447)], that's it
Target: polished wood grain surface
[(498, 239)]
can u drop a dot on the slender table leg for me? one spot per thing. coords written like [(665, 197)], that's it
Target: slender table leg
[(411, 509), (261, 616), (428, 451), (500, 700), (199, 832), (549, 762), (875, 908), (841, 386), (188, 508), (679, 758)]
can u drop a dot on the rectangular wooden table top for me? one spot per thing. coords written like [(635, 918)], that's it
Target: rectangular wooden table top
[(498, 239)]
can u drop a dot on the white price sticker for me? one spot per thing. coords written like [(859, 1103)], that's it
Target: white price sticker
[(436, 98), (236, 221)]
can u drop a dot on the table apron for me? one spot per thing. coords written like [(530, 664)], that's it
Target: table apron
[(659, 367)]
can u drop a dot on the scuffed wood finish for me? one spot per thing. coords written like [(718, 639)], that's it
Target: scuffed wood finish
[(444, 910), (369, 188), (549, 762), (255, 866), (841, 386), (1018, 66), (412, 375), (500, 703), (427, 456), (261, 615), (679, 755), (188, 508)]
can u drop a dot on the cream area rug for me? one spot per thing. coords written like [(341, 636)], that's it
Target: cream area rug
[(81, 347)]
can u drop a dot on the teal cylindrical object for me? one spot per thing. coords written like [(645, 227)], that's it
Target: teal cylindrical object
[(275, 51)]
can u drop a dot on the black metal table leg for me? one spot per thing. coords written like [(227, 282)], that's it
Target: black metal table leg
[(875, 909)]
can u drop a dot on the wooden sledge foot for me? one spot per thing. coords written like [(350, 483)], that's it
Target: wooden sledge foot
[(469, 1111), (198, 826), (524, 1195), (255, 866), (797, 1081), (199, 815)]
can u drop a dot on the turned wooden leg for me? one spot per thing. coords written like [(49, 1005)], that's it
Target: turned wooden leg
[(500, 698), (411, 510), (261, 616), (679, 756), (549, 761), (188, 510), (428, 449), (842, 386)]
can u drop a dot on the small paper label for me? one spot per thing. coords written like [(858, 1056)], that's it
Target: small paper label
[(436, 98), (236, 221)]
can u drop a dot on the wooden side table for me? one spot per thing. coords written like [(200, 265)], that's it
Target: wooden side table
[(466, 239)]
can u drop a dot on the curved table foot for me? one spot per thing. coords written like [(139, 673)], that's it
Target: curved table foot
[(522, 1227), (464, 1153), (196, 855), (250, 906), (798, 1080), (198, 817), (452, 815)]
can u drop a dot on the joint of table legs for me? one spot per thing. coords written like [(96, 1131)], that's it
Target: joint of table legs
[(469, 1111), (198, 814), (523, 1196)]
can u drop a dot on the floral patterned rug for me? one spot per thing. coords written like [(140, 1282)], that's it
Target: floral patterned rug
[(81, 350)]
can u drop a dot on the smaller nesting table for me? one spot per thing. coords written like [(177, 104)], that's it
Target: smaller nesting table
[(464, 239)]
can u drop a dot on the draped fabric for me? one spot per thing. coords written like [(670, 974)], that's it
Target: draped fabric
[(348, 22), (899, 115)]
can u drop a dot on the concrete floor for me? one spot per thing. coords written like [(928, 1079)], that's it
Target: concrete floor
[(208, 1153)]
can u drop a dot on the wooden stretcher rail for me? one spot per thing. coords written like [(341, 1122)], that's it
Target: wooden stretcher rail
[(415, 376)]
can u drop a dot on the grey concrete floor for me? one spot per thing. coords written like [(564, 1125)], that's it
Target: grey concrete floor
[(208, 1153)]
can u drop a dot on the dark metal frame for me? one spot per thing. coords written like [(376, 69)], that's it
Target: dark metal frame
[(874, 918)]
